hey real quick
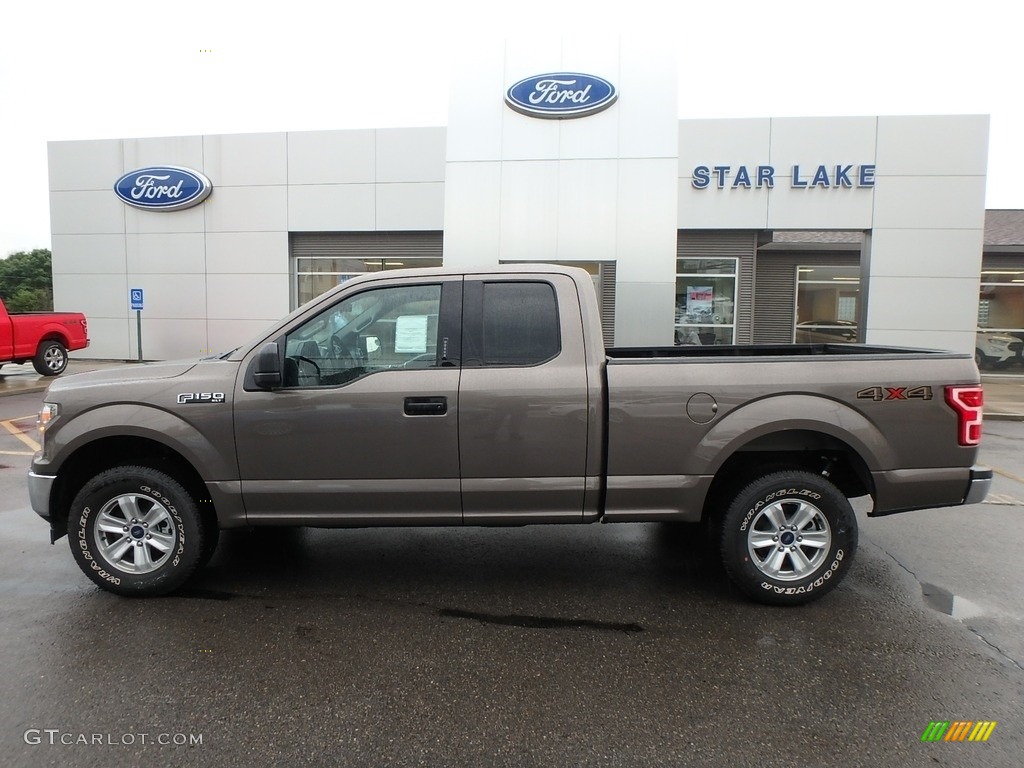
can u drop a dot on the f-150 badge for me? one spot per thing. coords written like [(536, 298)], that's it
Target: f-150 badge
[(186, 398)]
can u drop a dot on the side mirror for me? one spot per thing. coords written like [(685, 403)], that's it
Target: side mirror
[(267, 371)]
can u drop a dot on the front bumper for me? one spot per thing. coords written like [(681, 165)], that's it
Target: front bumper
[(39, 487)]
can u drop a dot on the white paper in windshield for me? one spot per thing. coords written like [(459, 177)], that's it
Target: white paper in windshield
[(411, 334)]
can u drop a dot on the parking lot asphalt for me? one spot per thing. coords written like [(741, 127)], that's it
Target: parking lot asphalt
[(601, 645)]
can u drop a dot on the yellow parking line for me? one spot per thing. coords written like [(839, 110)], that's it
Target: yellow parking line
[(1010, 475), (16, 453), (20, 435)]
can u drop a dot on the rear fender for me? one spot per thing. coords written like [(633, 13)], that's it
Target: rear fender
[(761, 418)]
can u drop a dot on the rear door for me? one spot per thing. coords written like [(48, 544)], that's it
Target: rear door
[(523, 401)]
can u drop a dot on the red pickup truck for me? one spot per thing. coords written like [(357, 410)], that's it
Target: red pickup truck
[(45, 338)]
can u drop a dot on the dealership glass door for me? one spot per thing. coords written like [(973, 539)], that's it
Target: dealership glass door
[(827, 302), (705, 301), (1000, 338)]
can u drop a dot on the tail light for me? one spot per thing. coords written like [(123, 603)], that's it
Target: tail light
[(967, 402)]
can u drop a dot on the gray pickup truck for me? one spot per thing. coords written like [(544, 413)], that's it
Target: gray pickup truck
[(434, 397)]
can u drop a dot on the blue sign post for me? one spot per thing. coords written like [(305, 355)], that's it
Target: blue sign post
[(135, 298)]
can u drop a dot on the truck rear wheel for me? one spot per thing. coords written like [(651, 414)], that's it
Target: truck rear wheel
[(788, 538), (136, 531), (51, 358)]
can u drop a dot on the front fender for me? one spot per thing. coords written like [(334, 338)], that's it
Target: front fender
[(212, 462), (767, 416)]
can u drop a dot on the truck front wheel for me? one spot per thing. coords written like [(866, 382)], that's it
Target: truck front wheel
[(51, 358), (788, 538), (136, 531)]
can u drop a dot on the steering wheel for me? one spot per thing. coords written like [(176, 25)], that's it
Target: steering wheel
[(341, 350)]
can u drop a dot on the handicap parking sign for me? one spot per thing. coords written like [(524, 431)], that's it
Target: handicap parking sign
[(136, 298)]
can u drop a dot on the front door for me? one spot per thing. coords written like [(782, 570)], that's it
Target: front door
[(365, 427)]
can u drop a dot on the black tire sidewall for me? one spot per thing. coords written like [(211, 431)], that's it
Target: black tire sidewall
[(39, 361), (773, 488), (147, 482)]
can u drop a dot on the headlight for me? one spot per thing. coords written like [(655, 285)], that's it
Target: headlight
[(47, 414)]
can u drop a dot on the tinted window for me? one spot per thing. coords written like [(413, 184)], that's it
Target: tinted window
[(520, 323)]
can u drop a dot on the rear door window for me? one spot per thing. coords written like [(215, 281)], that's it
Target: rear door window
[(515, 323)]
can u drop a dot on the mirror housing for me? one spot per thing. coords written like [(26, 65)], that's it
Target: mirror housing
[(267, 367)]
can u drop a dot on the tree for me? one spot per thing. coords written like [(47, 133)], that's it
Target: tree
[(26, 281)]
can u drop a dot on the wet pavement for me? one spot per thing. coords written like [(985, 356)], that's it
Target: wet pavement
[(602, 645), (539, 646)]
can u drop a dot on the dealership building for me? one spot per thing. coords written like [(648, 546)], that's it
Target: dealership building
[(696, 231)]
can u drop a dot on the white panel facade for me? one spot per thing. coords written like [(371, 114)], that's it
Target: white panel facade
[(229, 159), (561, 190), (160, 254), (473, 133), (616, 186), (587, 224), (81, 165), (159, 222), (171, 296), (928, 191), (641, 236), (403, 156), (930, 202), (254, 297), (86, 212), (527, 210), (247, 209), (174, 338), (648, 70), (246, 253), (184, 151), (89, 254), (331, 157), (834, 208), (331, 207), (409, 206), (472, 223), (910, 146), (927, 252), (228, 334)]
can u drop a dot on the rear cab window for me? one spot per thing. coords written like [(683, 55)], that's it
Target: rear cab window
[(510, 323)]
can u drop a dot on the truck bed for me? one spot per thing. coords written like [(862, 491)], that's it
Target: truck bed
[(867, 351)]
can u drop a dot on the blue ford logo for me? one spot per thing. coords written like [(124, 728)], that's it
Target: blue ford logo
[(163, 188), (560, 95)]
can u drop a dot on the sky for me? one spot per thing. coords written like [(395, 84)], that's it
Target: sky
[(121, 69)]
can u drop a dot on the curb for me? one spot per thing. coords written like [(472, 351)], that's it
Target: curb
[(31, 389)]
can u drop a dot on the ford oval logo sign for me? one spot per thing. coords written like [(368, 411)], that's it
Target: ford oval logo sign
[(561, 95), (163, 188)]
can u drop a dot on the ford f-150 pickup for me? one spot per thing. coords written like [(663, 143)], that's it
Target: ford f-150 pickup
[(42, 337), (437, 397)]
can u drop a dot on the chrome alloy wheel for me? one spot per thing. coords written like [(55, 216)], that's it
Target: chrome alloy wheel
[(135, 533), (55, 358), (789, 540)]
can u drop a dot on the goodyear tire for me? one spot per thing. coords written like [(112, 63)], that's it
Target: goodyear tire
[(51, 358), (136, 531), (788, 538)]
